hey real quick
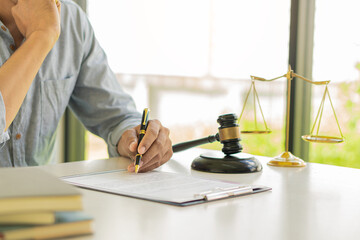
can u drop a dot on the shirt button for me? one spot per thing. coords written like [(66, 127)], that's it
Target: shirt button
[(3, 27), (18, 136), (12, 47)]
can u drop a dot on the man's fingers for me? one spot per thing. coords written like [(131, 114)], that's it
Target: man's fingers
[(131, 139), (151, 135), (133, 145), (58, 5), (128, 142), (156, 164), (155, 147), (158, 148), (131, 167)]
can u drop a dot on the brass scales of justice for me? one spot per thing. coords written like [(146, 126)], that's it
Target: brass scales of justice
[(287, 159)]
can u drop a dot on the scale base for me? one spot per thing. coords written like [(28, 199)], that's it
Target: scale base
[(286, 159), (217, 162)]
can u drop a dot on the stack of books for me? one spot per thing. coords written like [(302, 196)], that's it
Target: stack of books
[(37, 205)]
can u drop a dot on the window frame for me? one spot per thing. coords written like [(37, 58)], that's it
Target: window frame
[(74, 130), (301, 59)]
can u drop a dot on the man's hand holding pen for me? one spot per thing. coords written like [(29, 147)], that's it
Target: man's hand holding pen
[(155, 147)]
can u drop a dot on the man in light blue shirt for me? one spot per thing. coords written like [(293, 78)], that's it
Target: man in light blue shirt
[(50, 59)]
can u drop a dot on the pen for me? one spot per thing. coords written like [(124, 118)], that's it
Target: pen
[(143, 126)]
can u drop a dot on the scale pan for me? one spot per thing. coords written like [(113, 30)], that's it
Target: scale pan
[(256, 132), (322, 139)]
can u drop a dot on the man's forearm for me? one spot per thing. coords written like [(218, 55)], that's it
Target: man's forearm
[(18, 72)]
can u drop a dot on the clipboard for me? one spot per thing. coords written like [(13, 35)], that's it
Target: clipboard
[(163, 187)]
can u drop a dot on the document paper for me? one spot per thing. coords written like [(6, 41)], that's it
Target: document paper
[(172, 188)]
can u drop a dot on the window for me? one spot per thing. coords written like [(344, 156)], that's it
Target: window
[(337, 58), (191, 61)]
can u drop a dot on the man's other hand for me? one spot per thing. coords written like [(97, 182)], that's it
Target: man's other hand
[(38, 16)]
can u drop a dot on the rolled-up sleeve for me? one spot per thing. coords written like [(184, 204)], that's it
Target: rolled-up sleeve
[(4, 135), (98, 99)]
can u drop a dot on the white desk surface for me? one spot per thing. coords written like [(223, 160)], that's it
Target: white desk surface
[(315, 202)]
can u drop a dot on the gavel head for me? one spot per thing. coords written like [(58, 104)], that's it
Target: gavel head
[(229, 134)]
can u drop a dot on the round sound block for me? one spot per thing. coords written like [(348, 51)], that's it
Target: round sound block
[(217, 162)]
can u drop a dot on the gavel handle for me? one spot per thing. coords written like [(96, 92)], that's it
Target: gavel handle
[(186, 145)]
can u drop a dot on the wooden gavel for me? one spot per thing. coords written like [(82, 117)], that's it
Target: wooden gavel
[(228, 135)]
